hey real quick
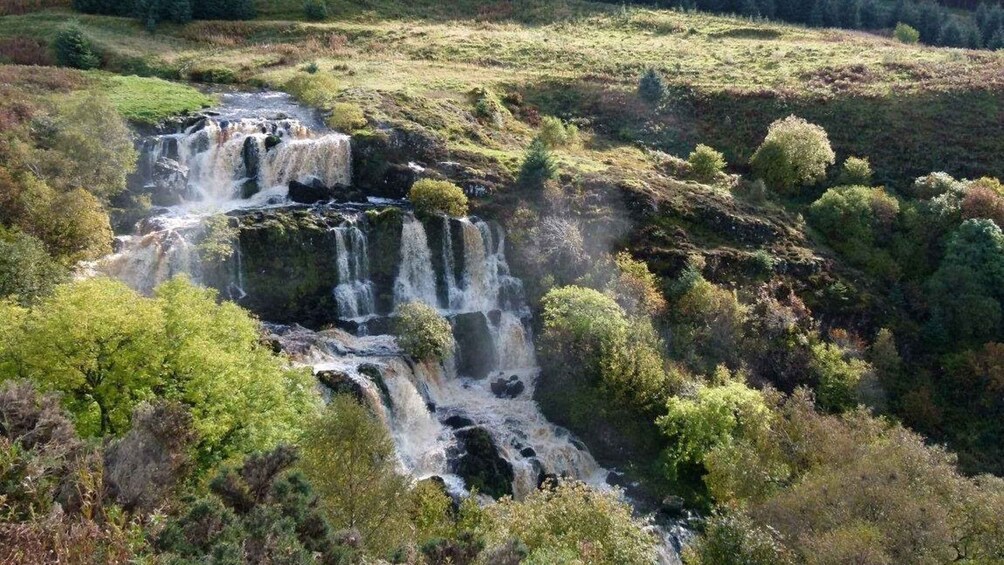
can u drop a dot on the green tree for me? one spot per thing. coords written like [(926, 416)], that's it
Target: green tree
[(423, 333), (349, 457), (794, 153), (856, 171), (705, 162), (555, 133), (438, 197), (714, 417), (538, 166), (97, 343), (572, 520), (27, 271), (89, 146), (105, 348), (74, 49), (733, 538), (838, 377), (652, 87), (316, 10), (906, 34)]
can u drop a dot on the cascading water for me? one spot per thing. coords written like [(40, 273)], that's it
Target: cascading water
[(240, 161)]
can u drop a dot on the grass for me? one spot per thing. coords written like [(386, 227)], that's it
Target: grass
[(150, 100)]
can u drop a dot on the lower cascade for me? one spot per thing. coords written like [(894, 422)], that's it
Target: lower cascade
[(347, 267)]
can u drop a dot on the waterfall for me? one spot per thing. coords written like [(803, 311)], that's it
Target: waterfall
[(241, 162), (416, 280), (354, 291)]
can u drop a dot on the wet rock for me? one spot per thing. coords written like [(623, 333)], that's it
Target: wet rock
[(376, 375), (508, 388), (481, 466), (309, 193), (339, 382), (528, 452), (170, 180), (457, 422), (251, 156), (271, 141), (547, 478), (495, 316), (672, 505), (476, 354)]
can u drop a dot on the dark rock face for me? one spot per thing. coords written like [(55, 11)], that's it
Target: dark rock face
[(457, 422), (288, 266), (309, 193), (170, 179), (374, 374), (385, 255), (481, 466), (476, 355), (380, 159), (508, 388), (340, 383)]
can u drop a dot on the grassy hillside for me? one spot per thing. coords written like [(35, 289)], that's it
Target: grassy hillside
[(910, 108)]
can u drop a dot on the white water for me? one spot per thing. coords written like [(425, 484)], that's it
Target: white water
[(416, 280), (354, 291)]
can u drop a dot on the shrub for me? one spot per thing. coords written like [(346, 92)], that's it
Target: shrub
[(316, 10), (705, 162), (349, 458), (714, 417), (74, 49), (538, 166), (19, 50), (855, 171), (438, 197), (906, 34), (311, 67), (346, 117), (422, 333), (27, 272), (838, 377), (555, 133), (571, 520), (935, 184), (982, 201), (794, 153), (487, 106), (317, 90), (652, 87)]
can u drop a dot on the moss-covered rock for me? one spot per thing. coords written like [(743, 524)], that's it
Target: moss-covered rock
[(384, 232), (287, 265), (481, 466)]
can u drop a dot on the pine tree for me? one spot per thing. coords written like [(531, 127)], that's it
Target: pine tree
[(929, 25), (817, 17), (768, 9), (538, 166), (179, 11), (951, 35), (981, 15), (73, 49), (997, 40), (993, 22), (850, 14), (870, 16), (831, 13), (651, 87), (749, 9), (972, 38)]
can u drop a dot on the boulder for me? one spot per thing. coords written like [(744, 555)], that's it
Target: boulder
[(170, 180), (481, 466), (508, 388), (304, 193), (476, 354), (457, 422), (339, 382)]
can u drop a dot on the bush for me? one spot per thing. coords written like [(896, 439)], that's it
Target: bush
[(794, 153), (652, 87), (934, 185), (855, 171), (438, 197), (838, 377), (316, 10), (422, 333), (555, 133), (538, 166), (74, 49), (906, 34), (27, 272), (571, 520), (705, 162), (346, 117)]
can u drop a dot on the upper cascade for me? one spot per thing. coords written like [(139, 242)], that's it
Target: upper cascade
[(241, 157)]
